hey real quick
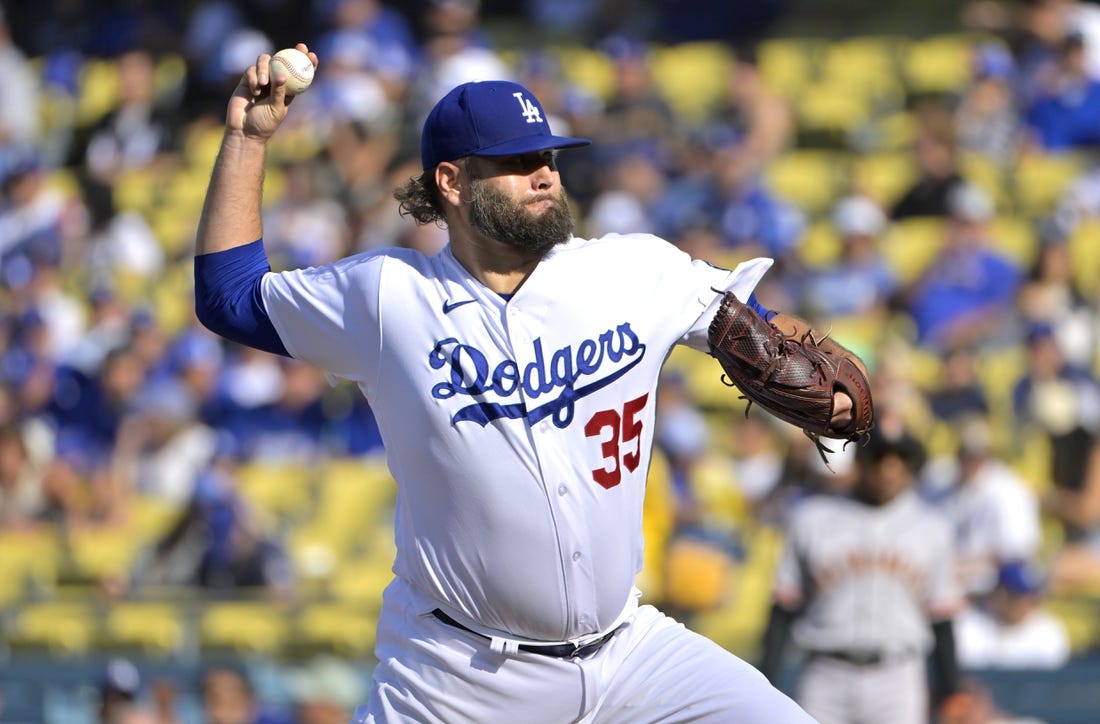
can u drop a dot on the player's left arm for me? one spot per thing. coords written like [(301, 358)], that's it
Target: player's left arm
[(797, 327)]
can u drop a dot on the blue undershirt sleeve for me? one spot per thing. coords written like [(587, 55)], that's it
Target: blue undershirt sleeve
[(227, 297), (759, 308)]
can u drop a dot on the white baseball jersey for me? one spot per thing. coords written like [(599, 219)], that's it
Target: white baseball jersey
[(518, 431), (872, 578)]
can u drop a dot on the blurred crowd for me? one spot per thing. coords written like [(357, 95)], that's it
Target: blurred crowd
[(982, 346)]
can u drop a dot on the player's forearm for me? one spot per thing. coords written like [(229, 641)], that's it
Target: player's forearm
[(231, 212)]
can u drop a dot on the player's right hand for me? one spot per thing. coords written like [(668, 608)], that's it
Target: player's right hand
[(259, 104)]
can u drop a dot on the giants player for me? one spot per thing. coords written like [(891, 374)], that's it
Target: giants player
[(513, 376), (868, 580)]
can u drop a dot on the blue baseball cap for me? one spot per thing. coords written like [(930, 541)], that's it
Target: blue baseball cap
[(488, 118)]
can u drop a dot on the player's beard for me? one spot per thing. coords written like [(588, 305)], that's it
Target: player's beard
[(498, 217)]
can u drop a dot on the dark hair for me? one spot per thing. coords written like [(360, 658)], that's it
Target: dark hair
[(419, 198)]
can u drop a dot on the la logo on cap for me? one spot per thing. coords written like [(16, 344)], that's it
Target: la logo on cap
[(530, 110)]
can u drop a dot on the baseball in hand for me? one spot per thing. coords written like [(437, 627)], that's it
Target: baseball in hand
[(295, 66)]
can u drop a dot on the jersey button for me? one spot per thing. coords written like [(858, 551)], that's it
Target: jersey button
[(577, 556), (562, 490)]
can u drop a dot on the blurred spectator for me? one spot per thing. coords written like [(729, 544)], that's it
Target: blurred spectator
[(39, 224), (291, 427), (1063, 115), (987, 120), (120, 692), (959, 392), (757, 458), (161, 447), (966, 294), (86, 412), (229, 698), (860, 282), (218, 542), (139, 133), (19, 94), (936, 152), (994, 513), (327, 690), (303, 227), (1050, 295), (762, 119), (22, 496), (682, 434), (630, 186), (1010, 629), (1061, 403), (454, 50), (636, 118)]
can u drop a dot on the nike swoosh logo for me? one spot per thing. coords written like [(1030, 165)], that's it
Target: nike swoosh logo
[(449, 307)]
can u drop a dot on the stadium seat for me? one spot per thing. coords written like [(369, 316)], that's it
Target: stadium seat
[(98, 91), (832, 112), (808, 178), (29, 563), (821, 245), (868, 64), (94, 554), (883, 176), (1041, 179), (939, 64), (692, 77), (789, 65), (155, 628), (587, 68), (338, 628), (281, 489), (244, 627), (1017, 238), (990, 177), (63, 628), (1084, 249), (910, 245)]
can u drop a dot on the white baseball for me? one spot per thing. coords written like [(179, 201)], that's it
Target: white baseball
[(295, 66)]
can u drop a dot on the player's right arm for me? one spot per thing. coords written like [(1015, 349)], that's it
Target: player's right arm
[(229, 258), (231, 211)]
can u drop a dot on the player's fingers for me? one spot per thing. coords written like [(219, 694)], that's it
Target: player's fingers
[(263, 69), (251, 81), (305, 49), (278, 92)]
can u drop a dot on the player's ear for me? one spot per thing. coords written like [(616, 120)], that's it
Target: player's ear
[(450, 181)]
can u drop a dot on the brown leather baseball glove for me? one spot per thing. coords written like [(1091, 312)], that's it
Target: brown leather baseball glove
[(793, 379)]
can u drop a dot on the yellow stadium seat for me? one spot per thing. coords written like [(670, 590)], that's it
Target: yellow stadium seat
[(821, 245), (29, 560), (809, 178), (1084, 249), (100, 553), (1041, 179), (789, 65), (153, 627), (939, 64), (832, 108), (998, 372), (692, 77), (883, 176), (244, 627), (910, 245), (282, 489), (337, 628), (98, 94), (60, 628), (587, 68), (990, 177), (1017, 238), (361, 581), (868, 64)]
